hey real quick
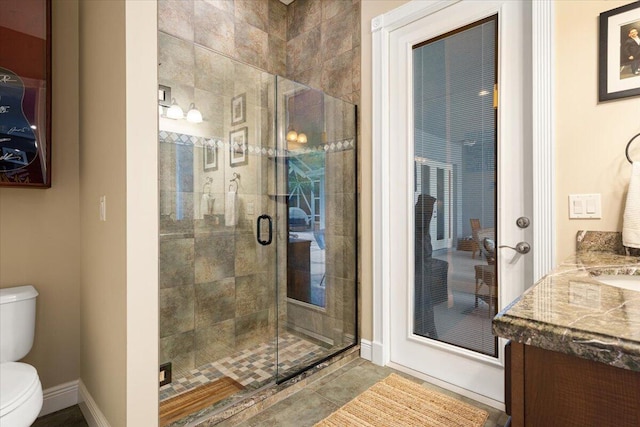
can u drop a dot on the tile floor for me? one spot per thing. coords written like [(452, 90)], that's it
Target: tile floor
[(306, 407), (324, 396), (69, 417), (252, 367)]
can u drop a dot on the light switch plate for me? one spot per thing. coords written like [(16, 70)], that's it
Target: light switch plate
[(585, 206), (103, 208)]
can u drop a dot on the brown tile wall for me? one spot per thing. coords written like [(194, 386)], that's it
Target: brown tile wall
[(314, 42), (323, 46), (251, 31)]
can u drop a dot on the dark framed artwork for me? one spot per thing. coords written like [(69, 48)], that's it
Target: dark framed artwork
[(619, 53), (210, 155), (238, 146), (239, 109), (25, 93)]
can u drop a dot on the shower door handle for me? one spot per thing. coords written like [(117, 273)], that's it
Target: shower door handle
[(259, 231)]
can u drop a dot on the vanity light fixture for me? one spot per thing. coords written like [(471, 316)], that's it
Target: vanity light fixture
[(194, 115), (175, 111), (293, 136)]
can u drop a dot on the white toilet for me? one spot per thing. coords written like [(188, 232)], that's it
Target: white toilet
[(20, 388)]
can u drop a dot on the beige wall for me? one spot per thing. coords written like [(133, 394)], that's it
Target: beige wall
[(369, 10), (119, 261), (590, 137), (102, 172), (39, 231)]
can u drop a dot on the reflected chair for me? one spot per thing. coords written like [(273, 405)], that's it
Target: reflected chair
[(486, 273), (475, 226)]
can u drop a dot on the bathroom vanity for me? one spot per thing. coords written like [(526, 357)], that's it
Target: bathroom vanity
[(574, 353)]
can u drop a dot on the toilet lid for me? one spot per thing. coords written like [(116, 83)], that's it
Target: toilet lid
[(18, 381)]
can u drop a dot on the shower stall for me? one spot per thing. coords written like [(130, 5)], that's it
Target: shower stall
[(258, 232)]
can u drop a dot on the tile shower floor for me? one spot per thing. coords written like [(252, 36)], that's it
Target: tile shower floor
[(253, 367)]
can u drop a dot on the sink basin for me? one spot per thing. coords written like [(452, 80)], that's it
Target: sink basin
[(621, 281)]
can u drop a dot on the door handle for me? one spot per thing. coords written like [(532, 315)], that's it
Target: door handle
[(259, 229), (521, 247)]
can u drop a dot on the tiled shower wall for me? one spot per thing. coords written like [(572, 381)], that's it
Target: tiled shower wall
[(315, 42), (323, 46)]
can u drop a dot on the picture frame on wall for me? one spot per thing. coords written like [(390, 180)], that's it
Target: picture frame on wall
[(239, 109), (238, 146), (25, 98), (210, 155), (619, 53)]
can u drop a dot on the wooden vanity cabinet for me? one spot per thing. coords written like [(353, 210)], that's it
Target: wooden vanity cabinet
[(547, 388), (299, 270)]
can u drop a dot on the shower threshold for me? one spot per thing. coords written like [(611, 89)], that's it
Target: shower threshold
[(256, 396)]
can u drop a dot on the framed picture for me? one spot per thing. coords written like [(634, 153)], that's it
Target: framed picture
[(238, 146), (210, 155), (238, 109), (25, 99), (619, 53)]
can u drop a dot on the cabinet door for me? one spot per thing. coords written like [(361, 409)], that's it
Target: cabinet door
[(570, 391), (514, 383)]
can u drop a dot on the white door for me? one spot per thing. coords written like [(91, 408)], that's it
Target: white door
[(444, 107)]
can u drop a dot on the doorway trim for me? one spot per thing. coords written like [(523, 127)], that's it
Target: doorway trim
[(543, 158)]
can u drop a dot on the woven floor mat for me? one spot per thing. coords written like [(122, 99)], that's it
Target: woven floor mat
[(399, 402)]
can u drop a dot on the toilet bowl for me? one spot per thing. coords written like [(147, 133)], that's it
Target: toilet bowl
[(20, 394), (20, 388)]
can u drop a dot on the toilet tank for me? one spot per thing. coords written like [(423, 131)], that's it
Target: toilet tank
[(17, 322)]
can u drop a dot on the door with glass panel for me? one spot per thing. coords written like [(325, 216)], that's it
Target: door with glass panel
[(461, 181)]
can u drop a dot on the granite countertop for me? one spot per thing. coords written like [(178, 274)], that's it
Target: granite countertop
[(570, 311)]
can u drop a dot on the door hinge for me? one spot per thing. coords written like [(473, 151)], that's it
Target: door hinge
[(495, 95)]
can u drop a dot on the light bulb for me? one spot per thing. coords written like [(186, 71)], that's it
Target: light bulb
[(194, 115), (292, 136), (302, 138), (175, 111)]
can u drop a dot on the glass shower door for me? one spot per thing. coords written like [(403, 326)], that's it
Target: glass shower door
[(318, 281), (218, 227), (257, 231)]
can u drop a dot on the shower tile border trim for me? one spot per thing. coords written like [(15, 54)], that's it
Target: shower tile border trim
[(166, 137)]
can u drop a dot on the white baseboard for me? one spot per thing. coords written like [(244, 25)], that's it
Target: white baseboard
[(365, 349), (90, 409), (448, 386), (59, 397)]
